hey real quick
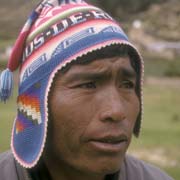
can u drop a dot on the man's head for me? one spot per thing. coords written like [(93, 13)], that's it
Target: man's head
[(93, 108), (61, 38)]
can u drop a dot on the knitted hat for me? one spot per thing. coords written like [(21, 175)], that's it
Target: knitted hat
[(56, 33)]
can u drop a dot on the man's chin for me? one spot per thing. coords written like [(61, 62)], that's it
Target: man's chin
[(110, 170), (109, 166)]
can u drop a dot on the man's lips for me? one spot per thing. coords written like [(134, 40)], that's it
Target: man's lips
[(109, 143)]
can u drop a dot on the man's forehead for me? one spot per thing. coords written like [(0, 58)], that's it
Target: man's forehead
[(99, 64), (98, 68)]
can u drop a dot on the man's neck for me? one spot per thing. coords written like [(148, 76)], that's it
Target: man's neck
[(60, 171)]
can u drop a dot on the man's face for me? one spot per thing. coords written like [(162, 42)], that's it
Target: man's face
[(93, 109)]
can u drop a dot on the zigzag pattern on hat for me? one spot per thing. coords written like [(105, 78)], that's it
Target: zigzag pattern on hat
[(28, 110), (30, 106)]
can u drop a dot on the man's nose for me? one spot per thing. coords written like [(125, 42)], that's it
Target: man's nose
[(112, 106)]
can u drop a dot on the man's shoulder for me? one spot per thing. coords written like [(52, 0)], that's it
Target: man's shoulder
[(6, 160), (4, 155), (141, 170), (8, 169), (7, 166)]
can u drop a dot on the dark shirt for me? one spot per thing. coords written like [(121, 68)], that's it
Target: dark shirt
[(131, 169)]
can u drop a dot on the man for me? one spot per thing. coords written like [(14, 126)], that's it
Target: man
[(80, 98)]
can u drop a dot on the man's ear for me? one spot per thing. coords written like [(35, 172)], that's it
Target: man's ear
[(137, 126)]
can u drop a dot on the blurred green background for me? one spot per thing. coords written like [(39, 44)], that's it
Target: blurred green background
[(153, 25)]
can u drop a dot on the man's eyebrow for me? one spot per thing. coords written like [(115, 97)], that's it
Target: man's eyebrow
[(103, 74), (88, 75), (127, 72)]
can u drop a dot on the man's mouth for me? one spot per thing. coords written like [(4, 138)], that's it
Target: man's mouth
[(111, 144)]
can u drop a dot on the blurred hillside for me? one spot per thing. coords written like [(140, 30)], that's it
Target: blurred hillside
[(161, 18), (153, 25), (13, 15)]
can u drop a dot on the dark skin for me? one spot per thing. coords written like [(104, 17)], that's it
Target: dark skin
[(93, 110)]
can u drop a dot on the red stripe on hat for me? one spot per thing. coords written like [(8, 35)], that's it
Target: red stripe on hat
[(17, 52)]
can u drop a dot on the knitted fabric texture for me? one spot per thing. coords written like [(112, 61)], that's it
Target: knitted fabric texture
[(56, 33)]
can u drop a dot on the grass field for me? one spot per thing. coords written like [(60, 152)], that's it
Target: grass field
[(159, 141)]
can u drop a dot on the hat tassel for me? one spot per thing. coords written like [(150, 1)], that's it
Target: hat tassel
[(6, 85)]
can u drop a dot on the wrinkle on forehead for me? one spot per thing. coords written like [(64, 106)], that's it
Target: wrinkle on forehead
[(106, 67), (100, 64)]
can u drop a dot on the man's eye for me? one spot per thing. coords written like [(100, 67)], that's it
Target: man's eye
[(127, 84), (88, 85)]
